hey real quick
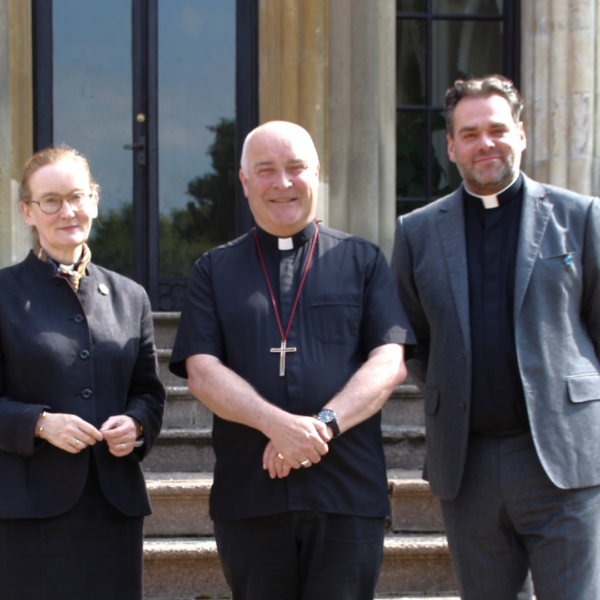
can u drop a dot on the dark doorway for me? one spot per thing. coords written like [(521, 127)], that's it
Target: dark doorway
[(158, 95)]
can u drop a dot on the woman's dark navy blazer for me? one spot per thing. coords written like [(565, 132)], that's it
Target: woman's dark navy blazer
[(90, 354)]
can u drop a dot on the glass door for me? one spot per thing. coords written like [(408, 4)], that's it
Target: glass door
[(196, 132), (146, 90)]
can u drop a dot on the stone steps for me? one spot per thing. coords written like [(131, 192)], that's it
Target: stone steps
[(180, 504), (183, 410), (411, 597), (190, 449), (189, 567), (180, 556)]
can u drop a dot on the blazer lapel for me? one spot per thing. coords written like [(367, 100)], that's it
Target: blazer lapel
[(451, 225), (534, 219)]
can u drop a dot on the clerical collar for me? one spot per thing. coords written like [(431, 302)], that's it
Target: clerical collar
[(296, 241), (503, 197)]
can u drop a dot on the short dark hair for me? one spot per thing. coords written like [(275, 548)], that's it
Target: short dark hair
[(484, 87)]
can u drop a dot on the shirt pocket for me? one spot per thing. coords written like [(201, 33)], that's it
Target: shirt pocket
[(562, 268), (336, 318), (584, 388)]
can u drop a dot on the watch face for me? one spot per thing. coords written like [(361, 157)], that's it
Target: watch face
[(326, 415)]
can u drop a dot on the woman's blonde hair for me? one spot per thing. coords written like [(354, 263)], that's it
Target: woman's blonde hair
[(51, 156)]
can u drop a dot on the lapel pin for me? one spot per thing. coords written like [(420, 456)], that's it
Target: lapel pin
[(103, 289), (569, 262)]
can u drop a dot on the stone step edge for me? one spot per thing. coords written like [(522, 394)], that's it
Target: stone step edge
[(443, 596), (162, 484), (390, 433), (395, 546), (402, 392), (166, 316)]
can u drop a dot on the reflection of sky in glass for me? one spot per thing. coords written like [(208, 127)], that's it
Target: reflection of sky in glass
[(196, 88), (92, 89)]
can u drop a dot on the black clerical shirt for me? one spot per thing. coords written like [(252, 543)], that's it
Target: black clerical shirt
[(497, 400), (347, 308)]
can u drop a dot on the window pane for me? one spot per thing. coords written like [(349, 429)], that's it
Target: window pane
[(471, 7), (462, 50), (410, 63), (403, 207), (444, 174), (411, 140), (196, 130), (411, 6), (92, 113)]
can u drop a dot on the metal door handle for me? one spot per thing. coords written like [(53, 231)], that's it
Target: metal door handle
[(140, 148)]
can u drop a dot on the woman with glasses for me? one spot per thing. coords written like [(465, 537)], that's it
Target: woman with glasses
[(80, 402)]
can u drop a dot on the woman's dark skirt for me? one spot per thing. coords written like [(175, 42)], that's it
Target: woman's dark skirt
[(92, 552)]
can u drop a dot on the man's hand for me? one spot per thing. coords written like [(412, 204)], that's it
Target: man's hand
[(300, 440), (272, 462)]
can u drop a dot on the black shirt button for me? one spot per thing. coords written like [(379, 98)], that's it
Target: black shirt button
[(78, 319), (87, 393), (84, 354)]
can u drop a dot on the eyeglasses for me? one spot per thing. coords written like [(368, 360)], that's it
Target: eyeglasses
[(52, 204)]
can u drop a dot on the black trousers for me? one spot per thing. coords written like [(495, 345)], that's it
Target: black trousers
[(301, 555)]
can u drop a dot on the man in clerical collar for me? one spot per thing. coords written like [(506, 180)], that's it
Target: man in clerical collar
[(501, 283), (293, 335)]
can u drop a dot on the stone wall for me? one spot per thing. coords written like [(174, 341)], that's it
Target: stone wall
[(329, 65), (15, 124), (560, 71)]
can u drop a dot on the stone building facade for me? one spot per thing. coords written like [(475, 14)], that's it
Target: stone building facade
[(330, 65)]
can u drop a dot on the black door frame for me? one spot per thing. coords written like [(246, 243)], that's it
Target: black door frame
[(145, 118)]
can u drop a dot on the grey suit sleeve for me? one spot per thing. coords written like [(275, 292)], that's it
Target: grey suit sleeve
[(402, 270)]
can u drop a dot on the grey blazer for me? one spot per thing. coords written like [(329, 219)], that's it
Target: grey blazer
[(557, 330)]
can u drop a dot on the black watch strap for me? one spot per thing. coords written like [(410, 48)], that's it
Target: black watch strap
[(329, 417)]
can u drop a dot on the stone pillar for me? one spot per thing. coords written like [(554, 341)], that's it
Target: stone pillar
[(329, 65), (293, 67), (16, 133), (362, 119), (560, 69)]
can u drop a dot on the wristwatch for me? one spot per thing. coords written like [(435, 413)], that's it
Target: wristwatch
[(330, 418)]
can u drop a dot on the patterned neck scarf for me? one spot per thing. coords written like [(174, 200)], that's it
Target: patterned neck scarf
[(73, 273)]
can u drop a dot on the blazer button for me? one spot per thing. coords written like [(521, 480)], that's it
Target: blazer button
[(78, 319), (463, 406), (465, 353), (84, 354), (87, 394)]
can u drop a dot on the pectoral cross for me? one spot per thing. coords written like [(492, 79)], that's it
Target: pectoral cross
[(282, 352)]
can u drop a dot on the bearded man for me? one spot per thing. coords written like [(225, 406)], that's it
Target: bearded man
[(501, 284)]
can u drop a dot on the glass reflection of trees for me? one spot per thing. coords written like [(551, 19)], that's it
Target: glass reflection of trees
[(186, 233), (411, 167), (110, 240), (209, 219)]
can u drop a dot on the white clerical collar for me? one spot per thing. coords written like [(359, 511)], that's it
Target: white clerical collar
[(285, 243), (492, 200)]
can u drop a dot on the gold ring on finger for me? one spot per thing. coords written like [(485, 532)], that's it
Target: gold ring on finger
[(305, 463), (123, 446), (281, 456), (76, 442)]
